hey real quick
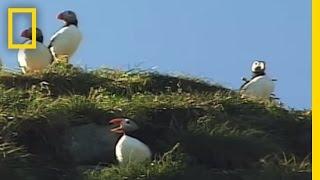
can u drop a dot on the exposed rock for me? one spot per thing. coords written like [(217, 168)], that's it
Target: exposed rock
[(90, 144)]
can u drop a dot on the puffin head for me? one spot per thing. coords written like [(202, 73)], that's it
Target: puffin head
[(258, 67), (27, 33), (69, 17), (123, 125)]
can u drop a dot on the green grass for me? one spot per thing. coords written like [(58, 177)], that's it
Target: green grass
[(221, 135), (167, 166)]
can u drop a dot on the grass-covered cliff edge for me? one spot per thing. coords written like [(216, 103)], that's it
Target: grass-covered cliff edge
[(195, 129)]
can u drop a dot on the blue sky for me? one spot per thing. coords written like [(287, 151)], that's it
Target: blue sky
[(212, 39)]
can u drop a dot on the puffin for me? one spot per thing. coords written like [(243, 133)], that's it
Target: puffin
[(66, 41), (260, 85), (33, 60), (129, 149)]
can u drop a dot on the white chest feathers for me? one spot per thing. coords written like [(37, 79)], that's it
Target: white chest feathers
[(66, 41), (31, 60), (131, 150), (259, 87)]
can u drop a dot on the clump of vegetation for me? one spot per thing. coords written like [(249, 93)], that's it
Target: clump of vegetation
[(168, 166), (221, 135)]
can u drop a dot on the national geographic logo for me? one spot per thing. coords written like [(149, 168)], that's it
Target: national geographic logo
[(11, 12)]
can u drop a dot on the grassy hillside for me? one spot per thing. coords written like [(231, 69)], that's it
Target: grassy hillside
[(196, 130)]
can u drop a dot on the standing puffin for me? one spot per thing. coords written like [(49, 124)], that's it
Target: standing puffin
[(32, 60), (129, 149), (260, 85), (66, 41)]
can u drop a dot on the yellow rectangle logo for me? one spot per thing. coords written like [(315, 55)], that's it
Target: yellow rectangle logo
[(33, 12)]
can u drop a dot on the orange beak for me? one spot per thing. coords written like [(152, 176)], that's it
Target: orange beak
[(117, 122), (60, 16), (25, 33)]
